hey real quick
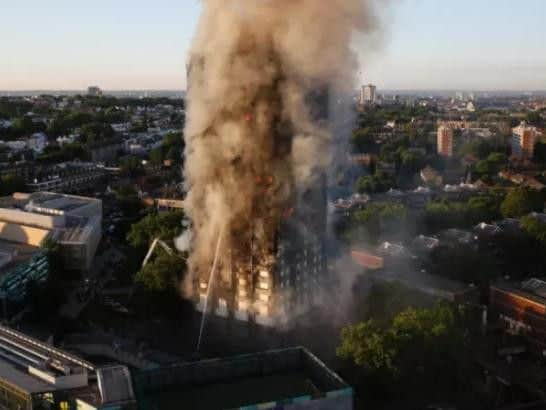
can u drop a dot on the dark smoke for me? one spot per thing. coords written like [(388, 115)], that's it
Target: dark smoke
[(253, 142)]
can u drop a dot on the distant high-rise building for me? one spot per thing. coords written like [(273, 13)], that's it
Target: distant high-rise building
[(368, 95), (523, 141), (445, 141), (94, 91)]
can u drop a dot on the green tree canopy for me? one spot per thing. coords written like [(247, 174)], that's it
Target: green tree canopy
[(379, 182), (520, 201), (166, 226), (415, 344), (162, 274), (535, 228), (10, 184)]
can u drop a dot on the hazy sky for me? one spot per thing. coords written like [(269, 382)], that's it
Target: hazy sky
[(137, 44)]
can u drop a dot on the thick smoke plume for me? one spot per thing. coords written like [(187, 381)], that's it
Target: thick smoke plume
[(257, 71)]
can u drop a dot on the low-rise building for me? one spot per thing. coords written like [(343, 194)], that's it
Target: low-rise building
[(279, 379), (36, 375), (75, 223), (67, 177), (521, 309)]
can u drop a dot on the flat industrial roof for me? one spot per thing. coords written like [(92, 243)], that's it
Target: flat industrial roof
[(276, 376), (236, 394)]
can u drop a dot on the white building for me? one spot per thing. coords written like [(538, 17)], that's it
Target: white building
[(74, 222)]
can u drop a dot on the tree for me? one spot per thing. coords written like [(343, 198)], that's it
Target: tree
[(163, 274), (534, 118), (364, 140), (132, 166), (375, 220), (156, 156), (96, 133), (166, 226), (520, 201), (411, 353), (412, 161), (379, 182), (129, 201), (10, 184), (535, 227)]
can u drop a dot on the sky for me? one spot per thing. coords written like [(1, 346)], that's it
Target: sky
[(137, 44)]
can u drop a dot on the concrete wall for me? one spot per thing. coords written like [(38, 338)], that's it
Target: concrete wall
[(79, 254), (22, 234), (27, 218)]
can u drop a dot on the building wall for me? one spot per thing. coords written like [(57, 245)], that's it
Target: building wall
[(445, 141), (14, 283), (22, 234), (79, 254), (12, 397), (528, 313), (28, 218)]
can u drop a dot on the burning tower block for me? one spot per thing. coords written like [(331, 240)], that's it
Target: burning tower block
[(273, 263)]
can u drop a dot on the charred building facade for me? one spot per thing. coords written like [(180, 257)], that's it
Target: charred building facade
[(271, 261), (269, 291)]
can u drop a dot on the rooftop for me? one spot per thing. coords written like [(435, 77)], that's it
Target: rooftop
[(279, 376)]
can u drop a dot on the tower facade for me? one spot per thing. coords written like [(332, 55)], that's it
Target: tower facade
[(368, 95), (445, 141), (523, 141)]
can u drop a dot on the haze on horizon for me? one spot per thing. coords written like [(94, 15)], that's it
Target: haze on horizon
[(125, 45)]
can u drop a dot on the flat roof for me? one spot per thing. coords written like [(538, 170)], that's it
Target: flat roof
[(247, 380), (236, 394), (427, 283)]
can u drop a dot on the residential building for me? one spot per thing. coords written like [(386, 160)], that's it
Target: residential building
[(445, 141), (75, 223), (67, 177), (521, 308), (368, 95), (523, 141), (288, 379), (36, 375), (281, 266)]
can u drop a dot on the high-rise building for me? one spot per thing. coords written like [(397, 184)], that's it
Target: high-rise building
[(368, 95), (445, 141), (264, 282), (94, 91), (523, 141)]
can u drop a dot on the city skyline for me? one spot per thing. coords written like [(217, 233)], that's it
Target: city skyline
[(126, 46)]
